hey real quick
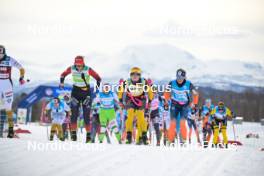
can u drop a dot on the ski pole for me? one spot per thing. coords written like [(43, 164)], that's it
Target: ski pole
[(48, 132), (234, 131), (85, 82)]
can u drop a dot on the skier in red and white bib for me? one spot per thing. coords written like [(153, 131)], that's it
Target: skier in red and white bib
[(6, 88)]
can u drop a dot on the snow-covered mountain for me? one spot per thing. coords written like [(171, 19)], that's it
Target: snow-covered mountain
[(161, 61)]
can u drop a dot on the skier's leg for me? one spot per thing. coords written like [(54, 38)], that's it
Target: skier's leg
[(183, 130), (141, 125), (174, 115), (9, 114), (75, 105), (107, 137), (216, 133), (157, 127), (178, 123), (86, 116), (98, 129), (166, 128), (138, 136), (113, 124), (189, 121), (209, 132), (223, 130), (124, 117), (64, 130), (52, 131), (2, 122), (158, 134), (196, 131), (225, 138), (204, 131), (94, 127), (8, 98), (60, 132), (129, 124), (103, 123), (205, 141)]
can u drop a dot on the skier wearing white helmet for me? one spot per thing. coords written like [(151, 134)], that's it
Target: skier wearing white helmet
[(6, 88)]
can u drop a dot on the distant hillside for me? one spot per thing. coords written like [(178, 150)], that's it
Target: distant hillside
[(248, 104), (244, 101)]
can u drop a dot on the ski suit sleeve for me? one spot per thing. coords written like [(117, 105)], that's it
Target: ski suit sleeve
[(64, 74), (167, 93), (16, 64), (95, 76), (228, 113), (211, 117)]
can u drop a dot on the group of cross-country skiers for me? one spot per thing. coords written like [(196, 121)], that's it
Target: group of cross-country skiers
[(133, 112)]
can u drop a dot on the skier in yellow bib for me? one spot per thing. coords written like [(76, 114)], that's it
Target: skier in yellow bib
[(135, 95), (219, 117)]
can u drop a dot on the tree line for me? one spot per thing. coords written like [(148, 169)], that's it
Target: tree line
[(248, 104)]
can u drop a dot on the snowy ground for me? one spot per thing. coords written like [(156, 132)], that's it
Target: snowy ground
[(32, 154)]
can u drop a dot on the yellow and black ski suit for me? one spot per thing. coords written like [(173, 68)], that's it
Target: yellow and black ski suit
[(219, 121), (136, 97)]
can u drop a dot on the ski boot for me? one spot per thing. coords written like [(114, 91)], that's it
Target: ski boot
[(145, 138), (205, 144), (88, 137), (66, 135), (158, 143), (165, 141), (140, 141), (1, 130), (51, 137), (62, 138), (214, 145), (129, 138), (10, 132), (73, 136)]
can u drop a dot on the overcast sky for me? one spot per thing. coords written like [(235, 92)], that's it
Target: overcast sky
[(44, 33)]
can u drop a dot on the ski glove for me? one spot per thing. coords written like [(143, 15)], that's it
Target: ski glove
[(21, 80), (147, 113)]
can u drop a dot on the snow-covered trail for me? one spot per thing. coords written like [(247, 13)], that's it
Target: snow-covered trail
[(18, 157)]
